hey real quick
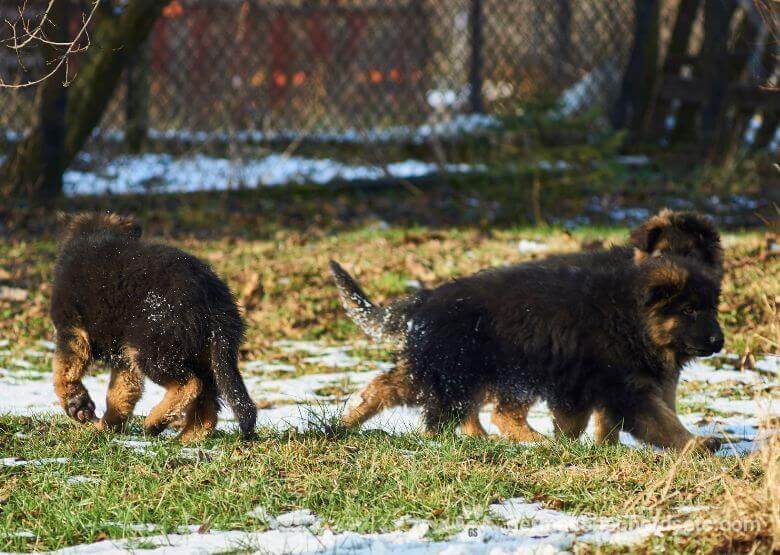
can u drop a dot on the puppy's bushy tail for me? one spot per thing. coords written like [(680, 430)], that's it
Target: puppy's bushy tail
[(382, 323), (225, 340)]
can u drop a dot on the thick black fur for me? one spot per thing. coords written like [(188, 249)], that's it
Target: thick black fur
[(579, 337), (166, 304)]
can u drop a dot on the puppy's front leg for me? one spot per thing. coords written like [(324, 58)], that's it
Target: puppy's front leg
[(656, 423), (71, 359)]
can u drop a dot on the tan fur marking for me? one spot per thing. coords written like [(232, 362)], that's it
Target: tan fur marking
[(607, 430), (69, 364), (386, 390), (570, 424), (510, 418), (124, 391), (639, 256), (202, 421), (179, 400), (471, 426)]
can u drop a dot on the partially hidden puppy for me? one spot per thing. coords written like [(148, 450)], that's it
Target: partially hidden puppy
[(686, 234), (151, 310), (683, 233)]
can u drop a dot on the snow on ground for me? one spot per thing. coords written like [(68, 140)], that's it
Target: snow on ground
[(162, 173), (722, 401), (512, 526)]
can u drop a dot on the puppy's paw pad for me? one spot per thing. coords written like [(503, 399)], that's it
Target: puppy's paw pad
[(80, 407)]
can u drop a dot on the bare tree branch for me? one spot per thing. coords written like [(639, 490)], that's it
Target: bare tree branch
[(25, 34)]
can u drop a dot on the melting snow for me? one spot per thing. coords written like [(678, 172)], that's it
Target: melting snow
[(532, 246), (526, 528), (162, 173), (15, 461)]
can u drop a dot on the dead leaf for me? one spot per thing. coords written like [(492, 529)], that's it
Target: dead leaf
[(5, 274)]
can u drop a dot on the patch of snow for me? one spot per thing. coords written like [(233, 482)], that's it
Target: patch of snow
[(15, 461), (700, 371), (335, 359), (538, 531), (18, 534), (769, 363), (21, 363), (303, 388), (526, 245), (49, 345), (162, 173), (310, 347), (750, 407), (267, 367), (82, 480)]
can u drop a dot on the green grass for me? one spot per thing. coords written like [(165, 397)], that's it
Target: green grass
[(354, 481), (273, 247)]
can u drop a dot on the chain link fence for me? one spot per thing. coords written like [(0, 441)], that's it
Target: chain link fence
[(348, 70)]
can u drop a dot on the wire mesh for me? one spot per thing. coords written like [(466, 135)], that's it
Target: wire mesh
[(252, 70)]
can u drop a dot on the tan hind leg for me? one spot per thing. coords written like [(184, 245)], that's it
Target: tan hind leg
[(179, 401), (607, 429), (471, 426), (510, 416), (570, 424), (124, 391), (201, 422), (386, 390), (71, 359)]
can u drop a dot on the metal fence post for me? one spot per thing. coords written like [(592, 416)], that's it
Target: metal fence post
[(475, 70), (137, 99)]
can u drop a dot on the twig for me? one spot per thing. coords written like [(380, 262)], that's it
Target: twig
[(35, 35)]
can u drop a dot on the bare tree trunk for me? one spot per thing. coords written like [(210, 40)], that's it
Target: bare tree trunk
[(116, 39), (635, 99)]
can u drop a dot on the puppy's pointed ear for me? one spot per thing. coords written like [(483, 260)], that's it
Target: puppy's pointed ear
[(707, 237), (126, 225), (662, 280), (131, 226), (645, 238)]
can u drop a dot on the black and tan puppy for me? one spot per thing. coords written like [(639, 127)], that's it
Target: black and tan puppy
[(149, 310), (582, 338), (685, 234)]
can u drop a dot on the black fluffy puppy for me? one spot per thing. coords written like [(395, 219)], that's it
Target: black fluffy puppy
[(582, 338), (147, 310)]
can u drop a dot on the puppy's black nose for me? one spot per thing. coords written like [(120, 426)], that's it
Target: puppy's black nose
[(717, 342)]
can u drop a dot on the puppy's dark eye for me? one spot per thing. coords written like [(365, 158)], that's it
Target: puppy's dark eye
[(689, 311)]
